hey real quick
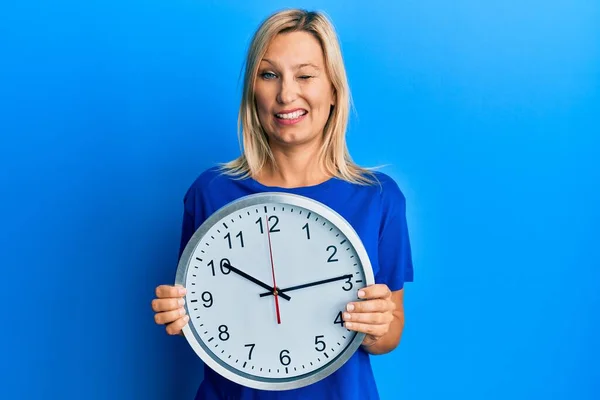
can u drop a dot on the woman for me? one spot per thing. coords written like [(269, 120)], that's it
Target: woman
[(293, 119)]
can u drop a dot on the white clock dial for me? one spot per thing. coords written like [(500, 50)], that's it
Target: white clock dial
[(232, 264)]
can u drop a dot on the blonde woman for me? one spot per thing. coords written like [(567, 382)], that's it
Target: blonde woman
[(293, 119)]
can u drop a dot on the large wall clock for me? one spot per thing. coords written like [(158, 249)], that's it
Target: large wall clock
[(267, 279)]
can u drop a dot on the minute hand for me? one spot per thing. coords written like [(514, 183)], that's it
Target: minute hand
[(253, 279), (289, 289)]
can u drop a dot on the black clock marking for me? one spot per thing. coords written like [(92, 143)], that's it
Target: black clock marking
[(244, 366), (198, 258), (343, 241), (193, 301), (286, 370), (325, 355), (308, 216), (225, 225), (211, 339), (232, 220), (265, 209), (212, 237)]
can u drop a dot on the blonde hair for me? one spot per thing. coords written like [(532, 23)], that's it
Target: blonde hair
[(334, 155)]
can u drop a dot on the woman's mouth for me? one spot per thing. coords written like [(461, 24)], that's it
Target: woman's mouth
[(290, 117)]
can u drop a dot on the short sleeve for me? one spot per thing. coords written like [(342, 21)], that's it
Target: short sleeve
[(193, 215), (395, 258)]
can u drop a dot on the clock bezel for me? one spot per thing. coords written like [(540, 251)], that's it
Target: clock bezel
[(197, 343)]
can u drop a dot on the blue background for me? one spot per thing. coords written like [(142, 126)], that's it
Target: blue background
[(486, 113)]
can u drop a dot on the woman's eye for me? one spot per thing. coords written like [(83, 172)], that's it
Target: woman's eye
[(305, 77), (268, 75)]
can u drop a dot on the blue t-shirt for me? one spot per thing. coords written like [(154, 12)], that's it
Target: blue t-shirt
[(377, 214)]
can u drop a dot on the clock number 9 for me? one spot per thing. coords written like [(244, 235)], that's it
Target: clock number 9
[(208, 300), (272, 229), (285, 358), (224, 269), (318, 342)]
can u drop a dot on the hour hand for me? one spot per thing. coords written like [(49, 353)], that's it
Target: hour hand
[(321, 282), (256, 281)]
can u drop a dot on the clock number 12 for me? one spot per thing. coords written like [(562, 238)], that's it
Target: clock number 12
[(273, 221)]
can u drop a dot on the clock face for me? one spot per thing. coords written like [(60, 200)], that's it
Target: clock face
[(245, 253)]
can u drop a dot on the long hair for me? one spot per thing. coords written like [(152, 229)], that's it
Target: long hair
[(333, 155)]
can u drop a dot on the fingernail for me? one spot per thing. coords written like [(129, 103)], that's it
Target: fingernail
[(181, 302), (181, 311), (182, 291), (361, 293), (350, 307), (186, 318), (348, 324), (347, 316)]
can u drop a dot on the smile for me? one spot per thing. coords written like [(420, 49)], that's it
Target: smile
[(289, 118)]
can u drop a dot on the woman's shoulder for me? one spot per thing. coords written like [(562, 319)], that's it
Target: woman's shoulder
[(388, 188), (208, 180)]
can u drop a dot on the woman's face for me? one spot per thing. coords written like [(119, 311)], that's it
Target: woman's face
[(293, 92)]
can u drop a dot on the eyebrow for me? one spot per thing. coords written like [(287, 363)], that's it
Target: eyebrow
[(297, 66)]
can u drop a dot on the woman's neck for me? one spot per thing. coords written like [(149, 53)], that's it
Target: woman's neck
[(295, 167)]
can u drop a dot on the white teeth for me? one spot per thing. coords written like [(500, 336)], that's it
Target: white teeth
[(293, 115)]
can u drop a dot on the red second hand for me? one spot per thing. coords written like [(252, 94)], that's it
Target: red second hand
[(275, 294)]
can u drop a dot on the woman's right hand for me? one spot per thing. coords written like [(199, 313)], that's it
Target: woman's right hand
[(169, 308)]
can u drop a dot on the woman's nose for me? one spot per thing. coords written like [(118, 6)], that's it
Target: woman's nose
[(288, 91)]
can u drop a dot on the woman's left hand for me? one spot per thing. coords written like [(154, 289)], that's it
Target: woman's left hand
[(373, 315)]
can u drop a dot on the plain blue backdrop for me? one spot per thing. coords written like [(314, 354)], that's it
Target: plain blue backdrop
[(485, 112)]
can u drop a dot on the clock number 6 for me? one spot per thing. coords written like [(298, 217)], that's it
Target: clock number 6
[(318, 342), (285, 358)]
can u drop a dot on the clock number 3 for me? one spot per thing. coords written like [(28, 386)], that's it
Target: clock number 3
[(349, 282)]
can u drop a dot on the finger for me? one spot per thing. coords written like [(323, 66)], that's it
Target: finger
[(166, 291), (369, 306), (160, 305), (370, 318), (377, 291), (374, 330), (175, 328), (169, 316)]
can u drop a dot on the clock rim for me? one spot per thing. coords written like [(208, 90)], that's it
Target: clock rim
[(277, 198)]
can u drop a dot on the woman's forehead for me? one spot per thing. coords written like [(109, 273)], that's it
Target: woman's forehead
[(295, 49)]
